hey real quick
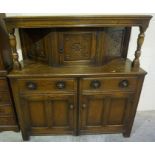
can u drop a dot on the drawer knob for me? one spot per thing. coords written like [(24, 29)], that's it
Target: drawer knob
[(60, 85), (61, 50), (95, 84), (31, 85), (71, 106), (124, 84), (84, 106)]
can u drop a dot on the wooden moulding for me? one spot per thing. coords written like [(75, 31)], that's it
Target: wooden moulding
[(76, 21)]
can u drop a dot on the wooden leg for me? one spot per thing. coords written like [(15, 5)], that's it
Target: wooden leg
[(25, 136), (127, 134), (76, 133)]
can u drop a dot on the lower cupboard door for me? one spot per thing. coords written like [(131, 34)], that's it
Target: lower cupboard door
[(104, 113), (52, 114)]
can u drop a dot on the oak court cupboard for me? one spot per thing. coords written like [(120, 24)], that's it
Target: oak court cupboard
[(75, 77)]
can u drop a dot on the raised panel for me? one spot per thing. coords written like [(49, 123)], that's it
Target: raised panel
[(116, 112), (119, 109), (77, 46), (95, 112), (37, 113), (92, 110), (33, 110), (60, 113)]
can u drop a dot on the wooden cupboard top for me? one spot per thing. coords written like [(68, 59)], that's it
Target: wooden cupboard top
[(77, 21), (114, 68)]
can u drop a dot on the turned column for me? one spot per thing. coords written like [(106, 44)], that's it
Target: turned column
[(12, 39), (140, 40)]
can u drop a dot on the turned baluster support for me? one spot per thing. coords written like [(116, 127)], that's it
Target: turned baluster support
[(12, 39), (140, 40)]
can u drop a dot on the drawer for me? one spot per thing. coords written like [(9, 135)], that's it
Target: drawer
[(4, 98), (7, 121), (3, 85), (6, 110), (47, 85), (109, 84)]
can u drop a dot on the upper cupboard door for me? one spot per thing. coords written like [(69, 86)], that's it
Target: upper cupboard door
[(77, 46)]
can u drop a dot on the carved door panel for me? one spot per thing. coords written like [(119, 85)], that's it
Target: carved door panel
[(49, 114), (116, 42), (77, 46), (99, 111)]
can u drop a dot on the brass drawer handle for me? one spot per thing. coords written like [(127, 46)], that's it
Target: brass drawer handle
[(95, 84), (31, 85), (60, 84), (124, 84)]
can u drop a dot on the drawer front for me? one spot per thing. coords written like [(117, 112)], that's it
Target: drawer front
[(7, 121), (3, 85), (47, 85), (109, 84), (4, 98), (6, 110)]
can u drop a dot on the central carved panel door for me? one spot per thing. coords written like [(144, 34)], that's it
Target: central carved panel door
[(49, 114), (77, 46)]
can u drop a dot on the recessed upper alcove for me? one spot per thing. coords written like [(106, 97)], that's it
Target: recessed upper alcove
[(64, 46)]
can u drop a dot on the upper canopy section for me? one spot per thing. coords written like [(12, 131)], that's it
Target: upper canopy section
[(77, 21), (63, 46)]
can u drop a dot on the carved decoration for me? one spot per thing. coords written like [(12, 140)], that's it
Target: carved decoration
[(140, 40), (77, 46), (12, 39), (114, 39)]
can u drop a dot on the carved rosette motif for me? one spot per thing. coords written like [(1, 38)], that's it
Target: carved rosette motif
[(77, 46)]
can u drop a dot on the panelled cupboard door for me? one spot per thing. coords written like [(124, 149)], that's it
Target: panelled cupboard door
[(99, 112), (49, 114), (77, 46)]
